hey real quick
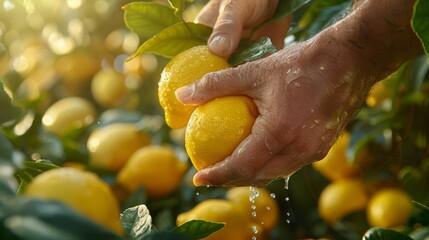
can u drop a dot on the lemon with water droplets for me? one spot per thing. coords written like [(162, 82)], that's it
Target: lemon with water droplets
[(185, 68), (216, 128), (237, 225)]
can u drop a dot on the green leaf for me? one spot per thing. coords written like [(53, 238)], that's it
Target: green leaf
[(247, 51), (421, 206), (147, 18), (420, 23), (178, 6), (137, 222), (175, 39), (284, 9), (30, 170), (6, 148), (421, 233), (8, 111), (197, 229), (384, 234)]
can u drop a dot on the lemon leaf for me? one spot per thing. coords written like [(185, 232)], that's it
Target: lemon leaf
[(175, 39), (6, 148), (147, 18), (384, 234), (197, 229), (247, 52), (30, 170), (420, 24), (137, 222), (177, 5), (8, 111)]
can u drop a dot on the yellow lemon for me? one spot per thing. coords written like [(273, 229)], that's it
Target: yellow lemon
[(185, 68), (216, 128), (156, 168), (68, 114), (258, 205), (111, 146), (109, 89), (83, 191), (237, 225), (336, 165), (389, 207), (341, 198)]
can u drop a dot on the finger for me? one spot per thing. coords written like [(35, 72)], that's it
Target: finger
[(231, 81), (276, 31), (246, 160), (209, 13), (227, 29)]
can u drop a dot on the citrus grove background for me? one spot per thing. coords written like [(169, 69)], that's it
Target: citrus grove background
[(86, 152)]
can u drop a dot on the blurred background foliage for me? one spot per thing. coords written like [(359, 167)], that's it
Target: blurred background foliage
[(53, 49)]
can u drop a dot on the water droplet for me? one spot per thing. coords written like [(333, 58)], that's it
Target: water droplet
[(297, 84), (322, 68), (287, 199), (253, 214), (317, 121), (254, 85), (288, 71), (197, 193), (268, 208), (255, 229), (297, 71), (287, 182), (207, 186), (254, 238), (288, 214), (273, 195), (303, 126), (287, 221), (253, 207)]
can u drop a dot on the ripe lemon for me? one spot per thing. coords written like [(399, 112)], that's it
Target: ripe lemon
[(185, 68), (83, 191), (68, 114), (263, 210), (156, 168), (109, 89), (237, 225), (389, 207), (111, 146), (217, 127), (341, 198), (336, 165)]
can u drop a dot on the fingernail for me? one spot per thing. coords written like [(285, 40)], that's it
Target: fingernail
[(198, 181), (219, 44), (184, 92)]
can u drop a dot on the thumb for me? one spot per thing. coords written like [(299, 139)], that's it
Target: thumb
[(231, 81)]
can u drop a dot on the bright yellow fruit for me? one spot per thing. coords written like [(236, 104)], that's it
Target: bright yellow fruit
[(237, 225), (156, 168), (83, 191), (109, 89), (341, 198), (379, 93), (216, 128), (389, 207), (111, 146), (265, 210), (185, 68), (336, 165), (68, 114)]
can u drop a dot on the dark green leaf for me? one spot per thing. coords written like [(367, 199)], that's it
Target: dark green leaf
[(197, 229), (175, 39), (137, 222), (420, 23), (247, 52), (30, 170), (178, 6), (137, 197), (39, 219), (286, 7), (384, 234), (8, 111), (421, 206), (420, 233), (6, 149), (118, 116), (165, 236), (147, 18)]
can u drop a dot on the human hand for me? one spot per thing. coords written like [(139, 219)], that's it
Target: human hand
[(305, 94), (233, 19)]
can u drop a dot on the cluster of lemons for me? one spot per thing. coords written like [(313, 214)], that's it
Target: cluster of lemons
[(347, 192), (243, 218)]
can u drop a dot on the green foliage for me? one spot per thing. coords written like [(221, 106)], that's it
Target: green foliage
[(384, 234), (420, 23), (248, 51), (147, 18), (137, 222), (197, 229), (8, 110)]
